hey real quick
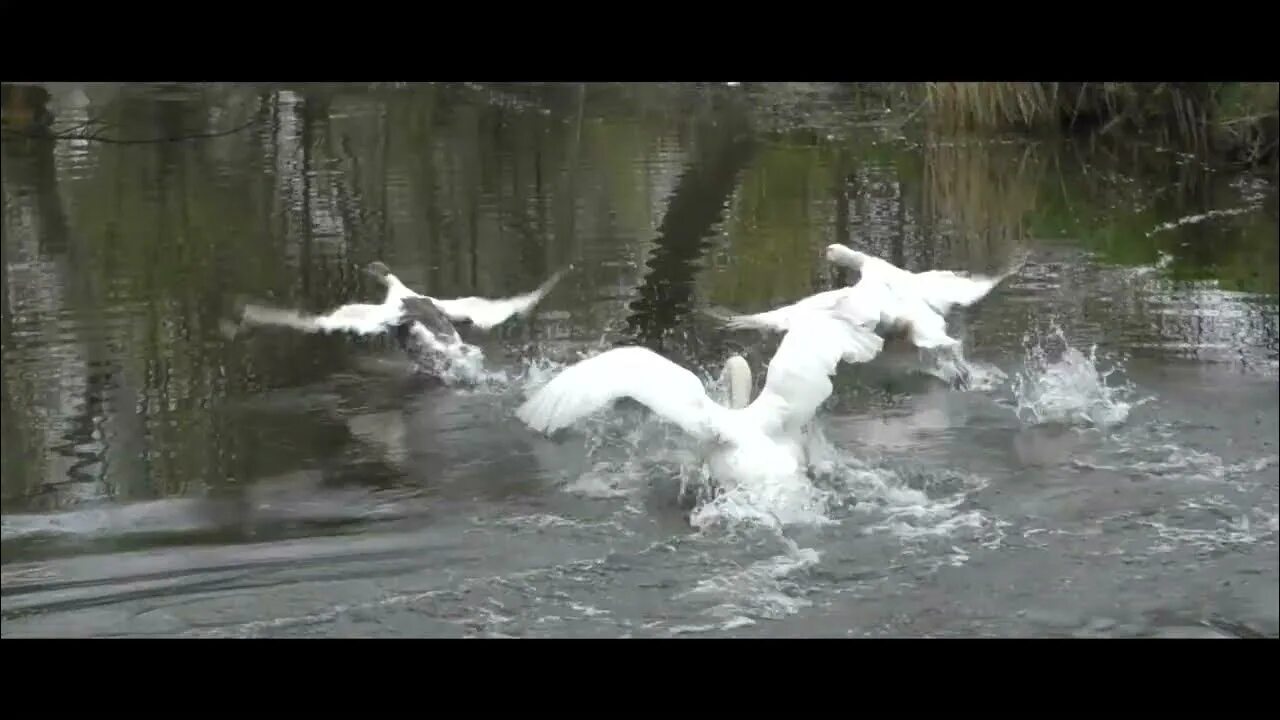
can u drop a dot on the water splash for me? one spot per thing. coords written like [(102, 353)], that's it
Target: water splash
[(1060, 384), (770, 502), (1152, 452), (1193, 219), (473, 374), (462, 366), (964, 375), (924, 508)]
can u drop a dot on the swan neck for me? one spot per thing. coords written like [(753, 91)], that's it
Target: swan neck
[(395, 288), (738, 375)]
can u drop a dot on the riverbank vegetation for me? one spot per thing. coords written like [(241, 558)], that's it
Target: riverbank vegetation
[(1229, 121)]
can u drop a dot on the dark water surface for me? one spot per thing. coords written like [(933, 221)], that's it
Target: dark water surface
[(1114, 473)]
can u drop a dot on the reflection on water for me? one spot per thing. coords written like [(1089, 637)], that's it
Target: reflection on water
[(128, 414)]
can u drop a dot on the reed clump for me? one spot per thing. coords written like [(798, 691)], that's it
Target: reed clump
[(1234, 121)]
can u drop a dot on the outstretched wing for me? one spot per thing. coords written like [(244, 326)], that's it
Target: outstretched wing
[(356, 318), (799, 376), (487, 313), (866, 312), (939, 289), (635, 372), (943, 289)]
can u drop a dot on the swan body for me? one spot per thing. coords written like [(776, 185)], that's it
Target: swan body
[(759, 439)]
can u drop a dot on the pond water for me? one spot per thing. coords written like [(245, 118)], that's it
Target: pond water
[(1113, 471)]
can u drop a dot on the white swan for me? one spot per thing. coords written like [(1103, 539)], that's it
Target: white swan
[(890, 301), (484, 313), (760, 440), (411, 315)]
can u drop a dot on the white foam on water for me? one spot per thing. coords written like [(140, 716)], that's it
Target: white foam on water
[(1201, 217), (1235, 531), (480, 619), (770, 502), (756, 591), (1186, 462), (177, 515), (1152, 452), (589, 611), (539, 522)]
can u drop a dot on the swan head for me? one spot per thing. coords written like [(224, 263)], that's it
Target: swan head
[(379, 270), (382, 274), (844, 255), (737, 374)]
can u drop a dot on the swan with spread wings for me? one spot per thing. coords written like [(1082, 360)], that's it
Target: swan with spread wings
[(757, 439)]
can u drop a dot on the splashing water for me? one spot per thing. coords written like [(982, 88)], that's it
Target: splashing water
[(468, 372), (460, 366), (771, 502), (1070, 388), (963, 374)]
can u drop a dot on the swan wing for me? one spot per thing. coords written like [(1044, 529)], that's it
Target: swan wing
[(944, 289), (926, 328), (798, 380), (781, 319), (487, 313), (357, 318), (939, 289), (635, 372)]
